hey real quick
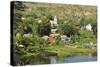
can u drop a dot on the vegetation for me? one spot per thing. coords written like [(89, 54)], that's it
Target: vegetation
[(31, 22)]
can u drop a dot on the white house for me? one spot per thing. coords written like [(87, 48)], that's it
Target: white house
[(53, 30), (89, 27), (65, 39), (54, 22)]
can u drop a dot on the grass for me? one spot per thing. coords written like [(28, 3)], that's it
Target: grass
[(66, 51)]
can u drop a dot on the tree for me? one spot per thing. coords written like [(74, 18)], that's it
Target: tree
[(69, 29), (44, 29), (94, 28)]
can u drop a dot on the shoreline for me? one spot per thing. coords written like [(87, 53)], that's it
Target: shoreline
[(65, 51)]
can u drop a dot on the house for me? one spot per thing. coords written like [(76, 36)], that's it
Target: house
[(89, 27), (53, 30), (54, 22), (52, 37), (65, 39)]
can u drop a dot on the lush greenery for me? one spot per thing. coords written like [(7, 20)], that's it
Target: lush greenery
[(71, 20)]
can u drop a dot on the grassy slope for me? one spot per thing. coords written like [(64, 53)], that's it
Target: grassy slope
[(65, 51), (64, 11)]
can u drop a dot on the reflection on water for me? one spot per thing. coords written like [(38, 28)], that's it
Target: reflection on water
[(77, 59), (55, 60)]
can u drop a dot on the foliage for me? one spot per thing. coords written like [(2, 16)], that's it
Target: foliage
[(71, 22)]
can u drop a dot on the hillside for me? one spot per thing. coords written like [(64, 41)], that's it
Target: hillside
[(44, 29)]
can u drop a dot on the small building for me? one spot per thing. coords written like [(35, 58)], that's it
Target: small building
[(89, 27), (65, 39), (53, 30), (54, 22), (52, 37)]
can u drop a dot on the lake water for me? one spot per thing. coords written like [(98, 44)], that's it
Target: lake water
[(73, 59), (56, 60)]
